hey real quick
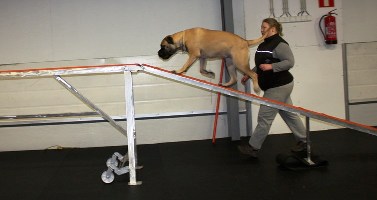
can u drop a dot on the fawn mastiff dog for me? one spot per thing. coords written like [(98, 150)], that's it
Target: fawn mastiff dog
[(202, 44)]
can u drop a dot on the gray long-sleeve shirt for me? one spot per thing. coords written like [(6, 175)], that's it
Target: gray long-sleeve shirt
[(284, 53)]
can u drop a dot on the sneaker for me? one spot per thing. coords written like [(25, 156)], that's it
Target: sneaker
[(247, 149), (299, 147)]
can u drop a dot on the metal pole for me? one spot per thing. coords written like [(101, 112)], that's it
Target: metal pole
[(249, 111), (131, 131), (346, 85), (91, 105), (308, 142), (231, 103)]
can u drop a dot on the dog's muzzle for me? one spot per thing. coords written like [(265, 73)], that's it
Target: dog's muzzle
[(162, 53)]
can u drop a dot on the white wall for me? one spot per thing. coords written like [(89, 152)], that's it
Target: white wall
[(37, 31), (361, 69), (49, 33), (360, 36), (318, 70), (50, 30), (359, 21)]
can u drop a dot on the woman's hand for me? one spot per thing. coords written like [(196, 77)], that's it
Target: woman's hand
[(265, 67)]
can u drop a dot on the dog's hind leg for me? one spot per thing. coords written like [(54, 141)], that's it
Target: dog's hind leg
[(203, 70), (242, 63), (254, 78)]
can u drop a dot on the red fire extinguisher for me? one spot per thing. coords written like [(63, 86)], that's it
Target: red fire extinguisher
[(330, 28)]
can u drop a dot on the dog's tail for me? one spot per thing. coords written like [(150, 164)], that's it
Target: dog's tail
[(256, 41)]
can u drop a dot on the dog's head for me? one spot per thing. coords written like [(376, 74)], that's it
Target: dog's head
[(168, 48)]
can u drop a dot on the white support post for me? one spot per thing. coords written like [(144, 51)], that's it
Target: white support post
[(308, 158), (131, 131)]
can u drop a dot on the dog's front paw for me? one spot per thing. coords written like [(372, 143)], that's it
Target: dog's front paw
[(175, 72)]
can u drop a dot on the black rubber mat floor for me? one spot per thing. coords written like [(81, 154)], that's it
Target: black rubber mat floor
[(196, 170)]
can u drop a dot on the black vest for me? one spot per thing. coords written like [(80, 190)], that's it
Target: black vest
[(264, 55)]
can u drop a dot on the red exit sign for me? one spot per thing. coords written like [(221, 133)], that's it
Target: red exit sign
[(326, 3)]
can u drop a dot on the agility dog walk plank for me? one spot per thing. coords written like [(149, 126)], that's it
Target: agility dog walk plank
[(257, 99), (127, 69), (118, 68)]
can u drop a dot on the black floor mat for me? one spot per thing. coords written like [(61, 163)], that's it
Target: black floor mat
[(197, 170)]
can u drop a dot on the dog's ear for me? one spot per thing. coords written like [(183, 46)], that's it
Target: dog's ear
[(169, 39)]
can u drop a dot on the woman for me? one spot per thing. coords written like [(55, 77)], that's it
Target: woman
[(273, 59)]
